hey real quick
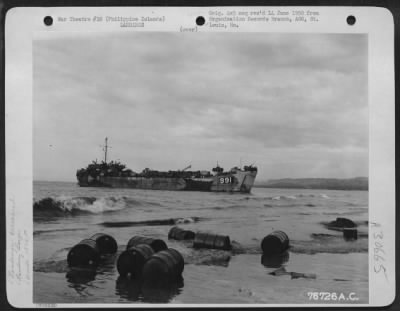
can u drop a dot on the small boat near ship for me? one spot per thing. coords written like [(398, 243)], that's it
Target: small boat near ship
[(116, 175)]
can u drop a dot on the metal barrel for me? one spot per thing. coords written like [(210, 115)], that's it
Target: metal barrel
[(106, 243), (163, 267), (275, 243), (132, 260), (177, 233), (211, 240), (199, 240), (222, 242), (181, 262), (84, 254), (274, 260), (350, 234), (156, 244)]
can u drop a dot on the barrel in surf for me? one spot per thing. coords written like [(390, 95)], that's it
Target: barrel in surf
[(350, 234), (105, 243), (156, 244), (163, 267), (275, 243), (177, 233), (341, 223), (132, 260), (211, 240), (84, 254)]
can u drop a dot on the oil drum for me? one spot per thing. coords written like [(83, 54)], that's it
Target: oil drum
[(275, 243), (350, 234), (211, 240), (342, 223), (163, 267), (156, 244), (84, 254), (177, 233), (105, 243), (132, 260), (178, 256), (199, 240), (222, 242)]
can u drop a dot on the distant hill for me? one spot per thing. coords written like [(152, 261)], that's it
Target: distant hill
[(358, 183)]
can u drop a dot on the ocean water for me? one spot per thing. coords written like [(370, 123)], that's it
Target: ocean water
[(324, 260)]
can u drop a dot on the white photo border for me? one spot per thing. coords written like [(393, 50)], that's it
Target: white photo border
[(23, 24)]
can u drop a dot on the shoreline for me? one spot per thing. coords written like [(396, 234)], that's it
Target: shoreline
[(304, 188)]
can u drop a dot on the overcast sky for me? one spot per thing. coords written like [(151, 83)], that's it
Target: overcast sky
[(295, 105)]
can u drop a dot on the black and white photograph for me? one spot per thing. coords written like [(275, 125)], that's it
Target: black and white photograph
[(200, 168), (199, 157)]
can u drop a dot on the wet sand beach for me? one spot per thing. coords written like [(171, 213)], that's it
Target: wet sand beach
[(240, 276)]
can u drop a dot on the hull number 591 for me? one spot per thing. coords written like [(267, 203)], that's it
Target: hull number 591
[(225, 180)]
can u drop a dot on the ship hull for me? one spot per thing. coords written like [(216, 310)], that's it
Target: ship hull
[(237, 182)]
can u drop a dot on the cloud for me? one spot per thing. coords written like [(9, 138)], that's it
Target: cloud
[(166, 99)]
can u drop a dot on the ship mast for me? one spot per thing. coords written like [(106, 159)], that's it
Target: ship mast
[(105, 148)]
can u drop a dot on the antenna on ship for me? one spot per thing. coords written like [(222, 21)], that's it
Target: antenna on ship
[(105, 149)]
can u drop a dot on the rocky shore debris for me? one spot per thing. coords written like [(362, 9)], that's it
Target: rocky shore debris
[(294, 275)]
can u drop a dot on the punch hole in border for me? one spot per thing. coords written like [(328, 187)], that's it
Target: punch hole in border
[(200, 20), (48, 21), (351, 20)]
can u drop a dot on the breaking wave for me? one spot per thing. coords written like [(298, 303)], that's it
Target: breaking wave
[(287, 197), (298, 196), (61, 207)]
